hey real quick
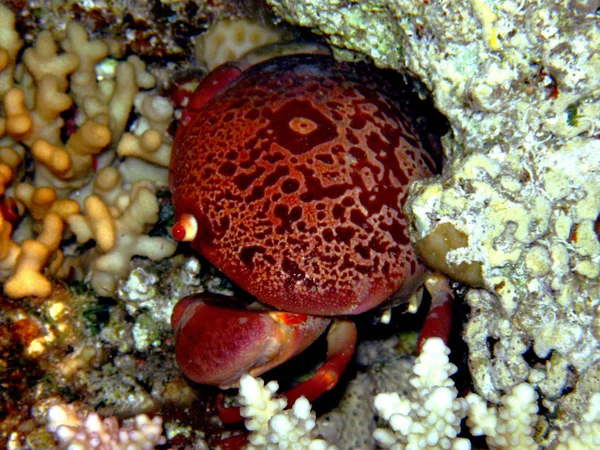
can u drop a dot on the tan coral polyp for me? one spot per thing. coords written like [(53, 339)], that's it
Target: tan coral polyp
[(18, 118), (90, 139), (28, 278), (4, 59), (101, 222), (55, 158)]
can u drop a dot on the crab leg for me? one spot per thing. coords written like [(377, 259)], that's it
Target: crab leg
[(438, 322), (341, 343)]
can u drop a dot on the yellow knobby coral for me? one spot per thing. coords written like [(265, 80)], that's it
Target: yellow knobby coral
[(150, 140), (119, 231), (72, 166), (9, 251), (28, 278), (10, 44), (43, 201), (18, 118), (43, 59)]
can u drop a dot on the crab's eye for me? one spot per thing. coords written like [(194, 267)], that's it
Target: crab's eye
[(185, 229)]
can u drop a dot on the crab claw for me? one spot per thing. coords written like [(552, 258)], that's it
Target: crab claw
[(217, 340)]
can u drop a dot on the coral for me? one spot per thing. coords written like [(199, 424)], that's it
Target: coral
[(510, 425), (352, 422), (11, 44), (584, 435), (27, 279), (119, 231), (228, 40), (56, 76), (74, 430), (149, 140), (271, 427), (430, 415), (9, 250), (152, 290)]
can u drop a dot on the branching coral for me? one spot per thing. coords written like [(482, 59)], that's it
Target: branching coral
[(36, 92), (584, 435), (149, 140), (73, 430), (509, 426), (430, 416), (119, 231), (271, 427)]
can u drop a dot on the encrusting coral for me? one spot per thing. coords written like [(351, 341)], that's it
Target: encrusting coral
[(228, 40)]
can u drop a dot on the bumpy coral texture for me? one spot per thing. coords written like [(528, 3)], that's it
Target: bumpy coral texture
[(519, 84), (228, 40)]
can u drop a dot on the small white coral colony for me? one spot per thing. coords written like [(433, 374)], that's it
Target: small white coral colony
[(509, 426), (430, 416), (271, 427), (584, 435), (75, 431)]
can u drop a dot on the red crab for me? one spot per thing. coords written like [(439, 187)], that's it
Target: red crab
[(290, 177)]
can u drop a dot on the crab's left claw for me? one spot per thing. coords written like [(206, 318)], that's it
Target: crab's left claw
[(217, 340)]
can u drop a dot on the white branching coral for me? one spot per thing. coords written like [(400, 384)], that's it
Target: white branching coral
[(273, 428), (430, 415), (510, 425), (74, 431)]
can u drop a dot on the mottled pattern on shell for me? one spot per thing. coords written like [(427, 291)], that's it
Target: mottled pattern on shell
[(297, 174)]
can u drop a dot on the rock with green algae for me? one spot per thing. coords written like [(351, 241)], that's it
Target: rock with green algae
[(519, 83)]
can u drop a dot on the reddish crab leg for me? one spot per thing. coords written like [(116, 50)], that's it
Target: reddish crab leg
[(211, 85), (341, 343), (438, 322)]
